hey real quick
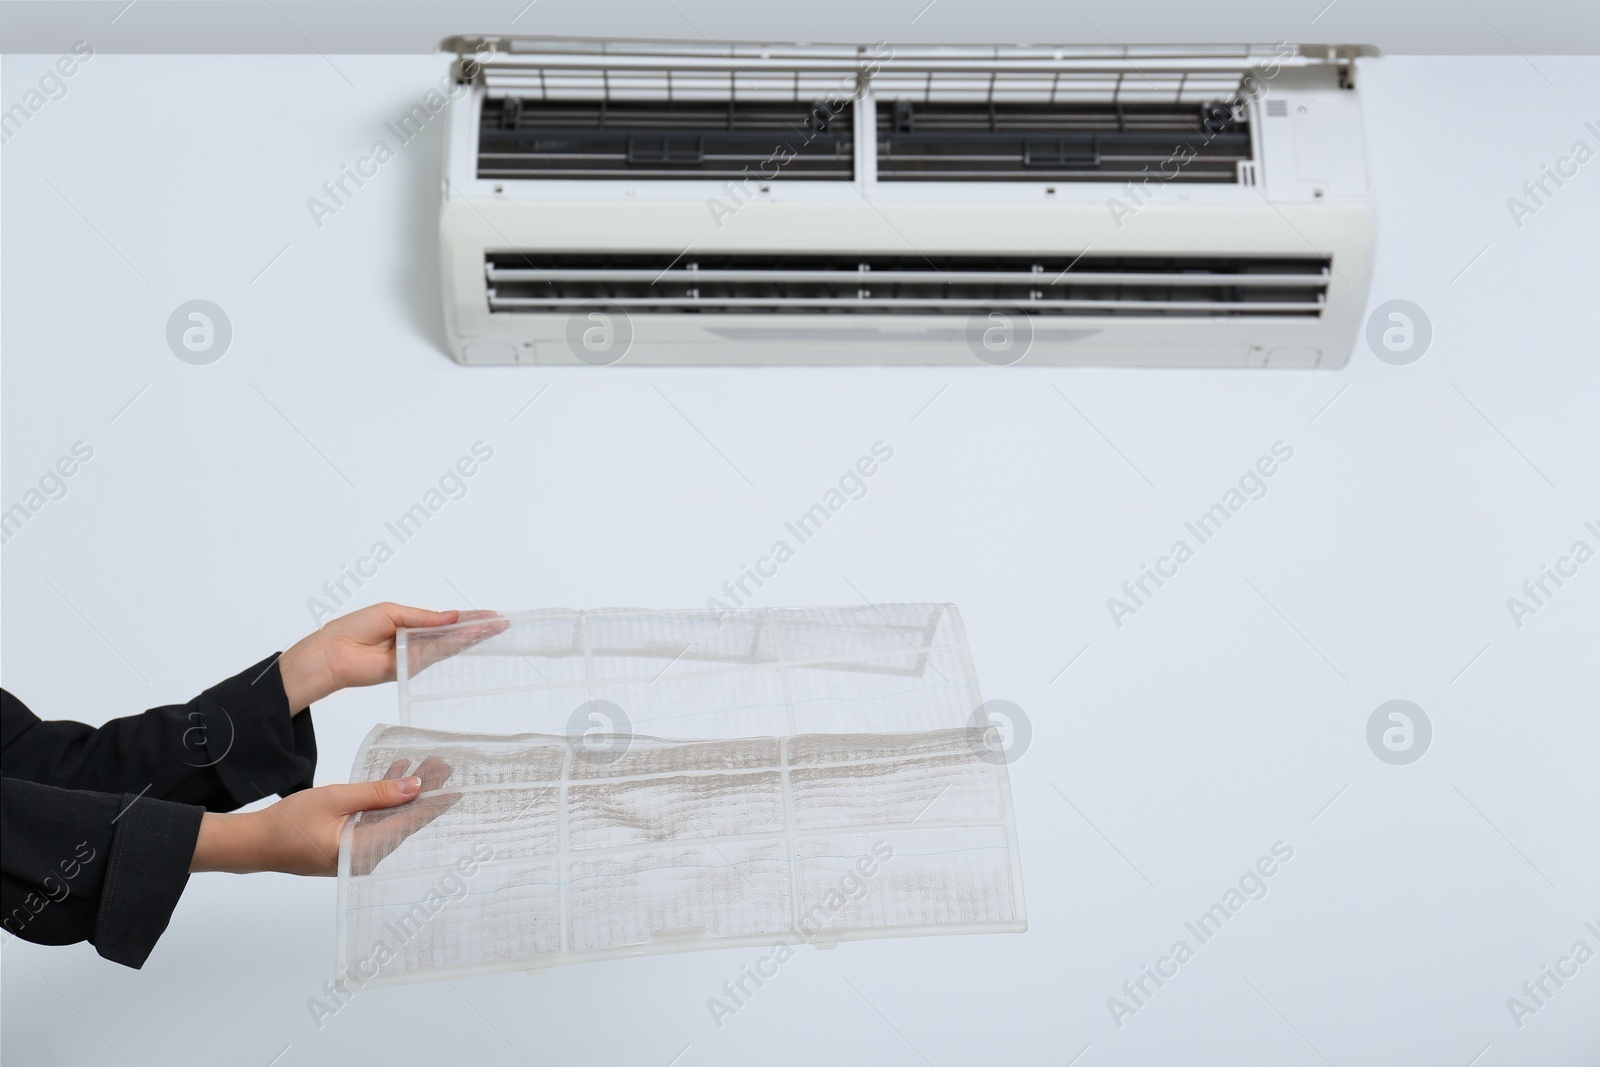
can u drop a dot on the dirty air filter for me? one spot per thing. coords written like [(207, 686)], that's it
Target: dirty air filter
[(620, 782)]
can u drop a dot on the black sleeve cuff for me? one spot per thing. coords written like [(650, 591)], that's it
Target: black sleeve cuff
[(255, 746), (151, 850)]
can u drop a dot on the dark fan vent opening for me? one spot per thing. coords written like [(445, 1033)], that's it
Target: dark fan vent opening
[(1109, 141), (1201, 287), (591, 139)]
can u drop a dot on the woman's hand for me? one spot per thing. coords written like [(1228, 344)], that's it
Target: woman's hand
[(300, 833), (358, 649)]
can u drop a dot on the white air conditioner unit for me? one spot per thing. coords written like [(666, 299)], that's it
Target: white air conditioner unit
[(693, 203)]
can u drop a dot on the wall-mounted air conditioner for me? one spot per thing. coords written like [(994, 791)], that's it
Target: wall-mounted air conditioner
[(676, 203)]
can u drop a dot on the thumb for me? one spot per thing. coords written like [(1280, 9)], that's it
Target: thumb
[(404, 615), (367, 796)]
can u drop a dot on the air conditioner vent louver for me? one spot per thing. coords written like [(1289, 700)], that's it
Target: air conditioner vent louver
[(527, 138), (1107, 141), (810, 283)]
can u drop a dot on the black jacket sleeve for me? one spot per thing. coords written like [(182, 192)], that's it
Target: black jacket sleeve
[(93, 866), (99, 824)]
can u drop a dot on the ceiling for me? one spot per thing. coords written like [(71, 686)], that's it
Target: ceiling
[(1530, 27)]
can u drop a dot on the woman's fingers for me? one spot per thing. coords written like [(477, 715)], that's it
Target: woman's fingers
[(437, 647), (380, 832), (359, 648), (434, 772), (370, 796), (404, 822)]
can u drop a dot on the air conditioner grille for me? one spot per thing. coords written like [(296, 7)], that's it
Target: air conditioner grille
[(816, 283), (525, 138), (987, 141)]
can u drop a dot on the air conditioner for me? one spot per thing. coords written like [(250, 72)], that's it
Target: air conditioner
[(695, 203)]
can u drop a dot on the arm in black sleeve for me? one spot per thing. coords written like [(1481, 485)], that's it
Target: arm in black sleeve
[(99, 824), (231, 745), (82, 866)]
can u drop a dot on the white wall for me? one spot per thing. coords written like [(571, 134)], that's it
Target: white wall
[(1208, 727)]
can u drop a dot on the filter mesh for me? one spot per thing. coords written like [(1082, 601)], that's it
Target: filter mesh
[(615, 783)]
